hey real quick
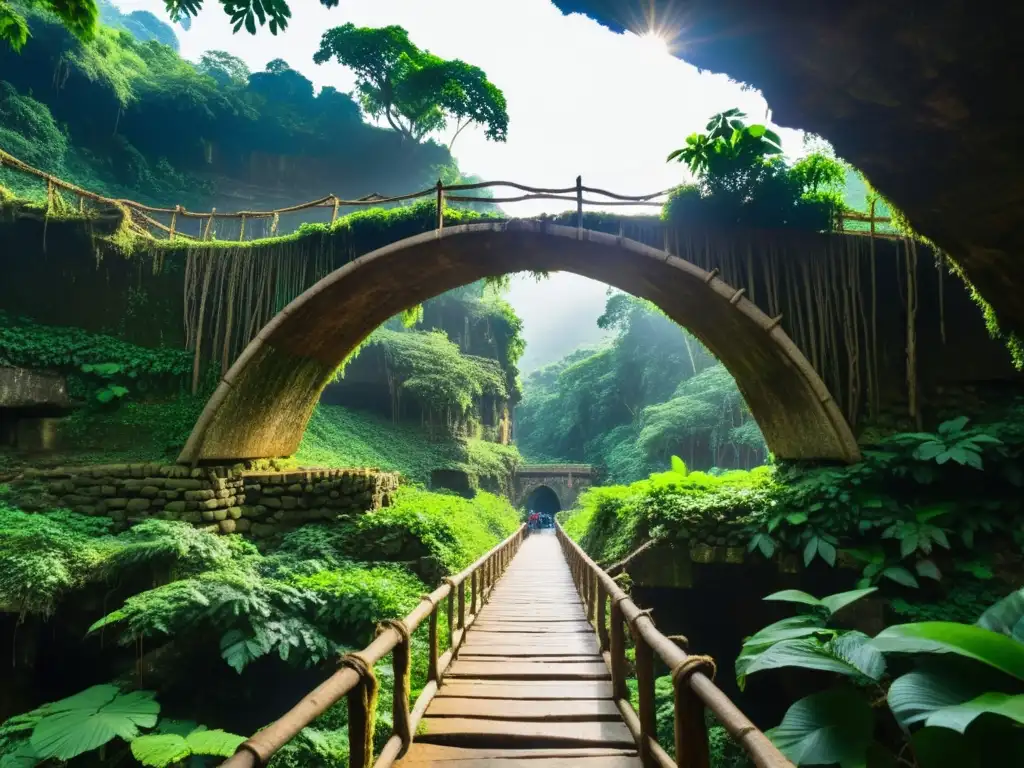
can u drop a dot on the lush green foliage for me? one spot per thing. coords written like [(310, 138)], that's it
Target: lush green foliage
[(962, 699), (429, 368), (172, 587), (653, 392), (742, 181), (916, 506), (342, 437), (674, 506), (416, 92), (136, 120), (101, 368)]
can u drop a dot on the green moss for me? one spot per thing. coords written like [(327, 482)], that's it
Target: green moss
[(341, 437)]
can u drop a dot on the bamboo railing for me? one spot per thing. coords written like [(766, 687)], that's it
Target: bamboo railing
[(142, 218), (356, 674), (691, 675)]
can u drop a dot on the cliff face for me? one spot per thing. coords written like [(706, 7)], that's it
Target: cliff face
[(911, 94)]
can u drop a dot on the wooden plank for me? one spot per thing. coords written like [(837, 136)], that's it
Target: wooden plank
[(528, 670), (525, 709), (532, 643), (532, 658), (562, 627), (525, 689), (622, 761), (464, 731), (430, 754)]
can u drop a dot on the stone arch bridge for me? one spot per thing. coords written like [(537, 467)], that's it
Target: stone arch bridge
[(262, 404), (567, 481), (816, 329)]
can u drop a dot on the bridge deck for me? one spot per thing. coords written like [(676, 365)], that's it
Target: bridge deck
[(529, 686)]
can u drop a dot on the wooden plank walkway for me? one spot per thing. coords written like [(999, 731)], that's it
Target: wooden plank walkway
[(529, 687)]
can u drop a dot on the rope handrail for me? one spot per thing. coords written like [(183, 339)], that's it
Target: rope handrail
[(356, 670), (694, 689), (440, 191)]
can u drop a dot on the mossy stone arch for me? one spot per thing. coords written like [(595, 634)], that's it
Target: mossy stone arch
[(261, 406)]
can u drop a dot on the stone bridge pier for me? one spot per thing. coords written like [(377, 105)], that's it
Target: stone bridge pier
[(545, 485)]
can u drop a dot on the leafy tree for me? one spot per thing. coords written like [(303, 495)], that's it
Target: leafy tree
[(654, 391), (416, 92), (224, 68), (743, 181)]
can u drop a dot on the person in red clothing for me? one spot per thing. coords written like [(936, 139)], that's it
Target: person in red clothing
[(534, 520)]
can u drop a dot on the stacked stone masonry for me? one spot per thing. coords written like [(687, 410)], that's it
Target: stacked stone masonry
[(219, 499)]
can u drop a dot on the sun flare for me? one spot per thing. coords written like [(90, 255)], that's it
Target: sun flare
[(656, 42)]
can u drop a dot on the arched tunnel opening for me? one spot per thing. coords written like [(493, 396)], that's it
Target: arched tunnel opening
[(544, 502)]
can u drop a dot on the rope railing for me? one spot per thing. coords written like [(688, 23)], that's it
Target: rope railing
[(356, 681), (610, 610), (142, 216)]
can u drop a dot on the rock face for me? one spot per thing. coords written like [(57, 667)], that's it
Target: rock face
[(36, 390), (913, 95), (219, 499)]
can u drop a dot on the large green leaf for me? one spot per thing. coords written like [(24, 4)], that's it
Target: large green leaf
[(215, 742), (1006, 616), (849, 654), (794, 596), (915, 696), (971, 642), (835, 603), (835, 726), (831, 603), (958, 717), (160, 749), (787, 629), (90, 719), (163, 749)]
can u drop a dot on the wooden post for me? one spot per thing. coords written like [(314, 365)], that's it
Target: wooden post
[(334, 213), (433, 669), (618, 653), (462, 605), (360, 749), (645, 686), (602, 617), (472, 593), (440, 204), (451, 617), (241, 230), (579, 205), (174, 223), (209, 224), (691, 733)]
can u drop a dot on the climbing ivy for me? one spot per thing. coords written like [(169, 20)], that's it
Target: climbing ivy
[(100, 367)]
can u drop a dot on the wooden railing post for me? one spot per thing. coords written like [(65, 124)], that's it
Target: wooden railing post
[(462, 605), (440, 204), (433, 670), (618, 653), (451, 615), (645, 687), (361, 714), (579, 205), (602, 617), (691, 733), (472, 593)]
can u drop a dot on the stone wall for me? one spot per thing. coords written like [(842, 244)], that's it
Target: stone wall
[(219, 499)]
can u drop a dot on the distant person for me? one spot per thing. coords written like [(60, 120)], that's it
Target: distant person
[(534, 520)]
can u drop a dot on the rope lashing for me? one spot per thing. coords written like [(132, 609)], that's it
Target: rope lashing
[(681, 641), (691, 664), (359, 664), (427, 599), (362, 711)]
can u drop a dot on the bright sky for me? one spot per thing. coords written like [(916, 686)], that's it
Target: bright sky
[(581, 101)]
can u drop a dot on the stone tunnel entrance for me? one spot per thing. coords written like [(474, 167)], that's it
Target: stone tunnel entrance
[(544, 501)]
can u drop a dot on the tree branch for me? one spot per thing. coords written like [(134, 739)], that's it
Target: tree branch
[(459, 125)]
